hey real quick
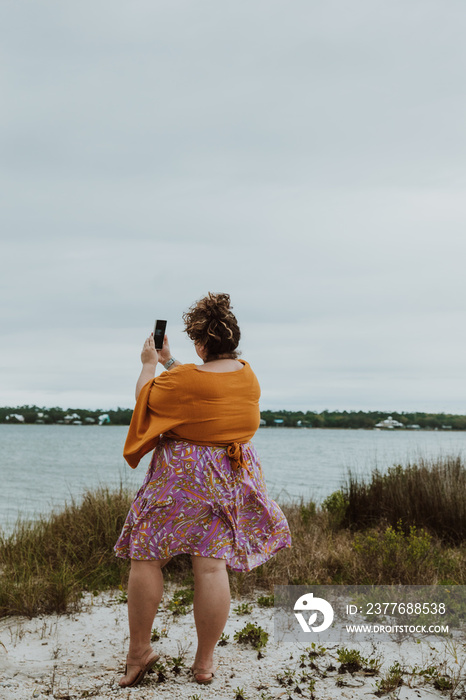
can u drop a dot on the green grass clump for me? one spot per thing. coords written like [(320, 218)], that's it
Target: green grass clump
[(392, 680), (157, 634), (182, 599), (287, 678), (243, 609), (239, 694), (313, 652), (351, 661), (443, 683), (122, 596), (252, 634), (266, 601), (223, 641)]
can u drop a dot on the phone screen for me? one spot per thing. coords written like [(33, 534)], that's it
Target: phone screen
[(159, 333)]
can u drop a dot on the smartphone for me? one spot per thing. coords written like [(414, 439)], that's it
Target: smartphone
[(159, 333)]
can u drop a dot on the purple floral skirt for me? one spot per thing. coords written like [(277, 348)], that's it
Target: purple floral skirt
[(193, 501)]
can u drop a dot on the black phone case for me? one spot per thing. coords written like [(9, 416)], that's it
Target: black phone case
[(159, 333)]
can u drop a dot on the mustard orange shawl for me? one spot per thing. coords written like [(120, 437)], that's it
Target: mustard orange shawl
[(205, 408)]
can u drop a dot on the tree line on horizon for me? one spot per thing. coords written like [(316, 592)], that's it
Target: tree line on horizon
[(288, 419)]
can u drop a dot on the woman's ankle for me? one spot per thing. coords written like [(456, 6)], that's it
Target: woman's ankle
[(137, 650), (204, 660)]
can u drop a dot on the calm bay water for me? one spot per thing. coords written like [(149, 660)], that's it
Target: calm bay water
[(42, 466)]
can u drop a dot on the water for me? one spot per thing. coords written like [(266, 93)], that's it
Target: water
[(42, 466)]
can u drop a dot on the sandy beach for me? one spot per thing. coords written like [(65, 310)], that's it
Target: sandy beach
[(82, 655)]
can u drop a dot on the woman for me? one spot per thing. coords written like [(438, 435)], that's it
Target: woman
[(204, 493)]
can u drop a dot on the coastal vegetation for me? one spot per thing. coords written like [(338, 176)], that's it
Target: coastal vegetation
[(414, 533), (421, 495), (356, 420)]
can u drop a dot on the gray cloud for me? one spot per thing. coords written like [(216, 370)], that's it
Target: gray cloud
[(307, 158)]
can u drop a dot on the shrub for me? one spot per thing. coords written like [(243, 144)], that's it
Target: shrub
[(390, 555), (336, 504)]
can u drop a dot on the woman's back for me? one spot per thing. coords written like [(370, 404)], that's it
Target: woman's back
[(190, 403)]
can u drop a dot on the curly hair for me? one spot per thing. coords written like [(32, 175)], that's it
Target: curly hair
[(211, 323)]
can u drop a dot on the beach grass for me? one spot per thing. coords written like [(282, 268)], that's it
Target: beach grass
[(47, 564), (428, 494)]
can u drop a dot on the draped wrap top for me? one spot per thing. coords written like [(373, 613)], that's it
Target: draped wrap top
[(205, 408)]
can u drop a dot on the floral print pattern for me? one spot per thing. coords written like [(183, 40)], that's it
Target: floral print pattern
[(193, 501)]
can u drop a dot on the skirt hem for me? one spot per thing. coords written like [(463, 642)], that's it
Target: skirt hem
[(245, 568)]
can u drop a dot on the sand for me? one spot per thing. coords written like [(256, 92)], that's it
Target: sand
[(82, 656)]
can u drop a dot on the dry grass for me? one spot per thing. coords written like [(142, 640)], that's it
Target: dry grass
[(323, 553), (47, 564), (430, 494)]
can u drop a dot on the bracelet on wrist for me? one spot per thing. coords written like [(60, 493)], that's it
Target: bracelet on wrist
[(169, 363)]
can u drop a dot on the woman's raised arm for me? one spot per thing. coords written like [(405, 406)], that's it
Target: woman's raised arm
[(149, 358)]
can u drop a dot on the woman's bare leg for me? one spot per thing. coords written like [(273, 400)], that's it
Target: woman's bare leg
[(211, 607), (145, 590)]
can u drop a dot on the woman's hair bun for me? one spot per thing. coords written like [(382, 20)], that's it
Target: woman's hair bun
[(211, 323), (217, 304)]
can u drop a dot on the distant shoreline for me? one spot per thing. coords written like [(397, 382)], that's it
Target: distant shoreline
[(275, 427), (353, 420)]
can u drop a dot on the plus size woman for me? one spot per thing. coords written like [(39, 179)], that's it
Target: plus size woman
[(204, 492)]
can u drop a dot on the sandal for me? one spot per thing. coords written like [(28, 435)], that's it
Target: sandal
[(145, 663), (203, 671)]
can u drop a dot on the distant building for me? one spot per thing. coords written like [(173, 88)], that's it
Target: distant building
[(447, 427), (414, 426), (71, 417), (104, 419), (278, 421), (262, 422), (89, 420), (15, 417), (389, 424), (41, 416)]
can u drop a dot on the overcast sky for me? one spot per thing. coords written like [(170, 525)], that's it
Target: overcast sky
[(306, 157)]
